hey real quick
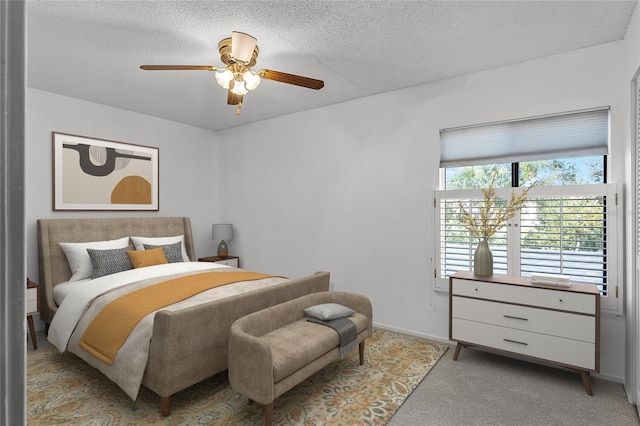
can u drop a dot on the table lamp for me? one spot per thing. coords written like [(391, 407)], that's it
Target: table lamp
[(222, 231)]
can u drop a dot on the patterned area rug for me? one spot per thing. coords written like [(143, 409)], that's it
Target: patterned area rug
[(62, 389)]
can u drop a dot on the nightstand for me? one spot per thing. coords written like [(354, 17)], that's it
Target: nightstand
[(229, 260), (33, 307)]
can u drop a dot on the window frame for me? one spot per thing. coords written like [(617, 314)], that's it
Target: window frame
[(612, 303)]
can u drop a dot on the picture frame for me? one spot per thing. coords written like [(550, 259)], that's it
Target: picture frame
[(100, 174)]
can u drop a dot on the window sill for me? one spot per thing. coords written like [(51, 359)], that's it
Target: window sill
[(441, 290)]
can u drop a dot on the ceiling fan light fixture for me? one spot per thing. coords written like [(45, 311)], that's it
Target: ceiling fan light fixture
[(251, 79), (224, 77), (239, 54), (239, 88)]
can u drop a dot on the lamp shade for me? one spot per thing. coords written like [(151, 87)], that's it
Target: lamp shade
[(242, 46), (222, 231), (224, 78), (239, 88)]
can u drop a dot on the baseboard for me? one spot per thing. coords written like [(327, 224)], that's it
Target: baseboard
[(413, 333), (609, 378)]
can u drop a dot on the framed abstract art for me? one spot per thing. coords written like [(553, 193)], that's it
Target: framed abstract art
[(99, 174)]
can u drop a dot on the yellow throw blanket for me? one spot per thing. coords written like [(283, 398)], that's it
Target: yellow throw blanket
[(108, 331)]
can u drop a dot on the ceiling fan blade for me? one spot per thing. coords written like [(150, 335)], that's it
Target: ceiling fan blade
[(233, 99), (297, 80), (242, 46), (178, 67)]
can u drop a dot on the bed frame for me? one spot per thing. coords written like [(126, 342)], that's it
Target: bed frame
[(188, 345)]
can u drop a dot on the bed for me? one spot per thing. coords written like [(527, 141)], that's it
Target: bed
[(189, 342)]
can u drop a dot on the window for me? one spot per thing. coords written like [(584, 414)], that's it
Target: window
[(569, 224)]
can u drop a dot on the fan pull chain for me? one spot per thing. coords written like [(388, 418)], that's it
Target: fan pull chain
[(239, 106)]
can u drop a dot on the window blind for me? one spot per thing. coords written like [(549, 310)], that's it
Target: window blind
[(565, 235), (456, 243), (558, 235), (569, 230), (574, 134)]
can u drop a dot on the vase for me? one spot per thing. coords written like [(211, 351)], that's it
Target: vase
[(483, 260)]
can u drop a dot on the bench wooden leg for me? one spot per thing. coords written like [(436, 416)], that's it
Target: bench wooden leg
[(165, 405), (268, 414), (361, 349)]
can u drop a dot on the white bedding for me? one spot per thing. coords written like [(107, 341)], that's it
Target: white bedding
[(61, 290), (127, 371), (80, 293)]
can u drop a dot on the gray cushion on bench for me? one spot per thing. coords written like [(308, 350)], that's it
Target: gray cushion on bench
[(297, 344), (346, 330)]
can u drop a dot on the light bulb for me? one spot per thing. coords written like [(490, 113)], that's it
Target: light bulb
[(239, 88), (224, 77), (251, 79)]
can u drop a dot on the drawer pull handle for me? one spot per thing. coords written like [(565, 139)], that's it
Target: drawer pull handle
[(515, 341), (518, 318)]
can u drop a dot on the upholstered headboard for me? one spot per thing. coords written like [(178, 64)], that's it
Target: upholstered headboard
[(52, 261)]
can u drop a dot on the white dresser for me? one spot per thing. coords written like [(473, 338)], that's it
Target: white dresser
[(552, 324)]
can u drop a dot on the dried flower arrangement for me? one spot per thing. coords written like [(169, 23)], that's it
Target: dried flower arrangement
[(492, 215)]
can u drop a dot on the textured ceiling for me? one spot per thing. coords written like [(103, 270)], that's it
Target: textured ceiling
[(92, 50)]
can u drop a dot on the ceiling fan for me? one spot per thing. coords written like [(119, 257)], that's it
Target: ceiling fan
[(239, 53)]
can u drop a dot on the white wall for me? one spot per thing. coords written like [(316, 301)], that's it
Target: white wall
[(187, 154), (346, 188)]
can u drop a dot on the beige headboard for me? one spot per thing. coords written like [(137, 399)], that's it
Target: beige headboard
[(53, 264)]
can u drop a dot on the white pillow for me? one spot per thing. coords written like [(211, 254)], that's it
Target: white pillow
[(78, 256), (139, 243)]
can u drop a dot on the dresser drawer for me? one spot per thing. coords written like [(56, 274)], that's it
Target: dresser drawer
[(543, 297), (551, 348), (554, 323), (228, 262), (32, 300)]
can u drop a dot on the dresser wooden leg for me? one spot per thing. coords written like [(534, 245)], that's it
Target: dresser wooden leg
[(586, 381), (457, 352)]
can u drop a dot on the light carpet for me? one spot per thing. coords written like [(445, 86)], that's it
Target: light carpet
[(62, 389)]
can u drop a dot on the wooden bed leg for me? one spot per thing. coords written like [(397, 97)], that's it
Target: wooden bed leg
[(268, 414), (457, 352), (361, 350), (165, 405)]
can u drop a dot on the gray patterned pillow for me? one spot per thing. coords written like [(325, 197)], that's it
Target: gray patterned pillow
[(173, 252), (106, 262)]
